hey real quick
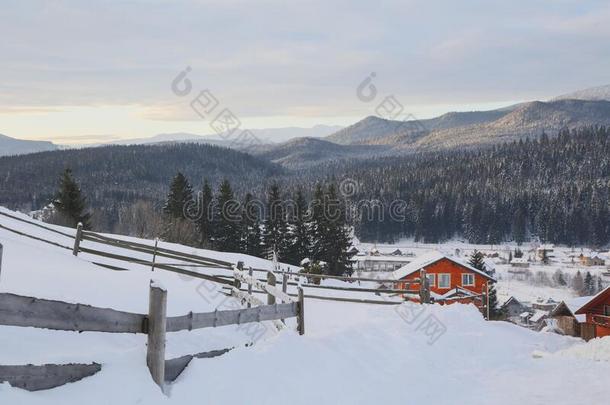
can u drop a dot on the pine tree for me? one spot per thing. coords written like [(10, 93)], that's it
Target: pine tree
[(251, 228), (477, 260), (319, 226), (205, 219), (227, 230), (70, 203), (180, 194), (275, 233), (578, 284), (299, 230), (559, 278), (336, 241), (589, 287)]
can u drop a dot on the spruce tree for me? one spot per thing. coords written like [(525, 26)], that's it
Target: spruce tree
[(205, 219), (578, 284), (228, 218), (336, 239), (300, 238), (275, 233), (251, 228), (180, 194), (70, 203), (477, 261), (590, 286)]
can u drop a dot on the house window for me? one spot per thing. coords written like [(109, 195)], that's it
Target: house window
[(444, 280), (431, 279), (467, 279), (607, 310)]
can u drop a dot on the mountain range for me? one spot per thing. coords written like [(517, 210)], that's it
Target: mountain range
[(373, 136), (11, 146)]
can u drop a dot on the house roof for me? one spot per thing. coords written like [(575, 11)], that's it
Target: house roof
[(571, 306), (593, 302), (511, 300), (519, 260), (538, 315), (431, 258)]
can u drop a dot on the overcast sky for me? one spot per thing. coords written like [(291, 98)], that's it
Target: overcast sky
[(101, 70)]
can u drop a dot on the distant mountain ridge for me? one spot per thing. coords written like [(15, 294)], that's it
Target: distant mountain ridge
[(375, 136), (592, 93), (11, 146)]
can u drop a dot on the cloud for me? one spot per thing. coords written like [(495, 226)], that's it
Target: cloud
[(300, 57)]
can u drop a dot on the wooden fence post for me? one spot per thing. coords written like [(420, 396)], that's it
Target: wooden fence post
[(154, 260), (250, 273), (155, 355), (1, 249), (424, 289), (272, 281), (77, 238), (301, 313)]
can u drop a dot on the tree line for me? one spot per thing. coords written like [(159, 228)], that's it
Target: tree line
[(288, 227)]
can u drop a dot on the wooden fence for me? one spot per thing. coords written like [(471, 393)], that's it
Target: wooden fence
[(16, 310)]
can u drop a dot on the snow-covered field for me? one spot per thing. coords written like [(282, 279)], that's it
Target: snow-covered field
[(350, 354)]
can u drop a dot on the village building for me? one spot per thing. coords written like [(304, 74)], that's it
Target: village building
[(564, 319), (597, 311), (593, 259), (512, 308), (378, 262), (449, 279), (520, 262), (545, 304)]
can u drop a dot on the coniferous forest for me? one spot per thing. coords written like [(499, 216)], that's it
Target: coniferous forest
[(553, 189)]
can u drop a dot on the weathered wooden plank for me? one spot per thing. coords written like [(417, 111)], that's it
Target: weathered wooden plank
[(271, 281), (149, 248), (155, 354), (158, 266), (1, 251), (16, 310), (231, 317), (339, 299), (44, 377), (175, 367)]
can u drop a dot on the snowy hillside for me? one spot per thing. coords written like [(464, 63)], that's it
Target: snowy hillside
[(350, 354)]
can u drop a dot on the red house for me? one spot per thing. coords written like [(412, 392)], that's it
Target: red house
[(450, 279), (597, 311)]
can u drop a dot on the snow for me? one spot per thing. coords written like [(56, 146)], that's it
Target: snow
[(351, 353), (427, 259)]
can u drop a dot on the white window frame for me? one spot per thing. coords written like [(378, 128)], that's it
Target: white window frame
[(431, 279), (470, 284), (440, 276)]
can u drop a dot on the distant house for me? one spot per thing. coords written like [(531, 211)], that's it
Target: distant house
[(397, 252), (513, 308), (566, 321), (521, 262), (450, 279), (545, 305), (594, 259), (537, 320), (378, 262), (544, 251), (597, 311), (353, 251)]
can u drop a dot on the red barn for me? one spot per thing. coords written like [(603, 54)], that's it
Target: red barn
[(597, 311), (450, 279)]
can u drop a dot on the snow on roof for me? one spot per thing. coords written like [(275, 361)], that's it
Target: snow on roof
[(305, 261), (428, 259), (524, 314), (519, 260), (593, 301), (575, 304), (539, 315), (378, 258)]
